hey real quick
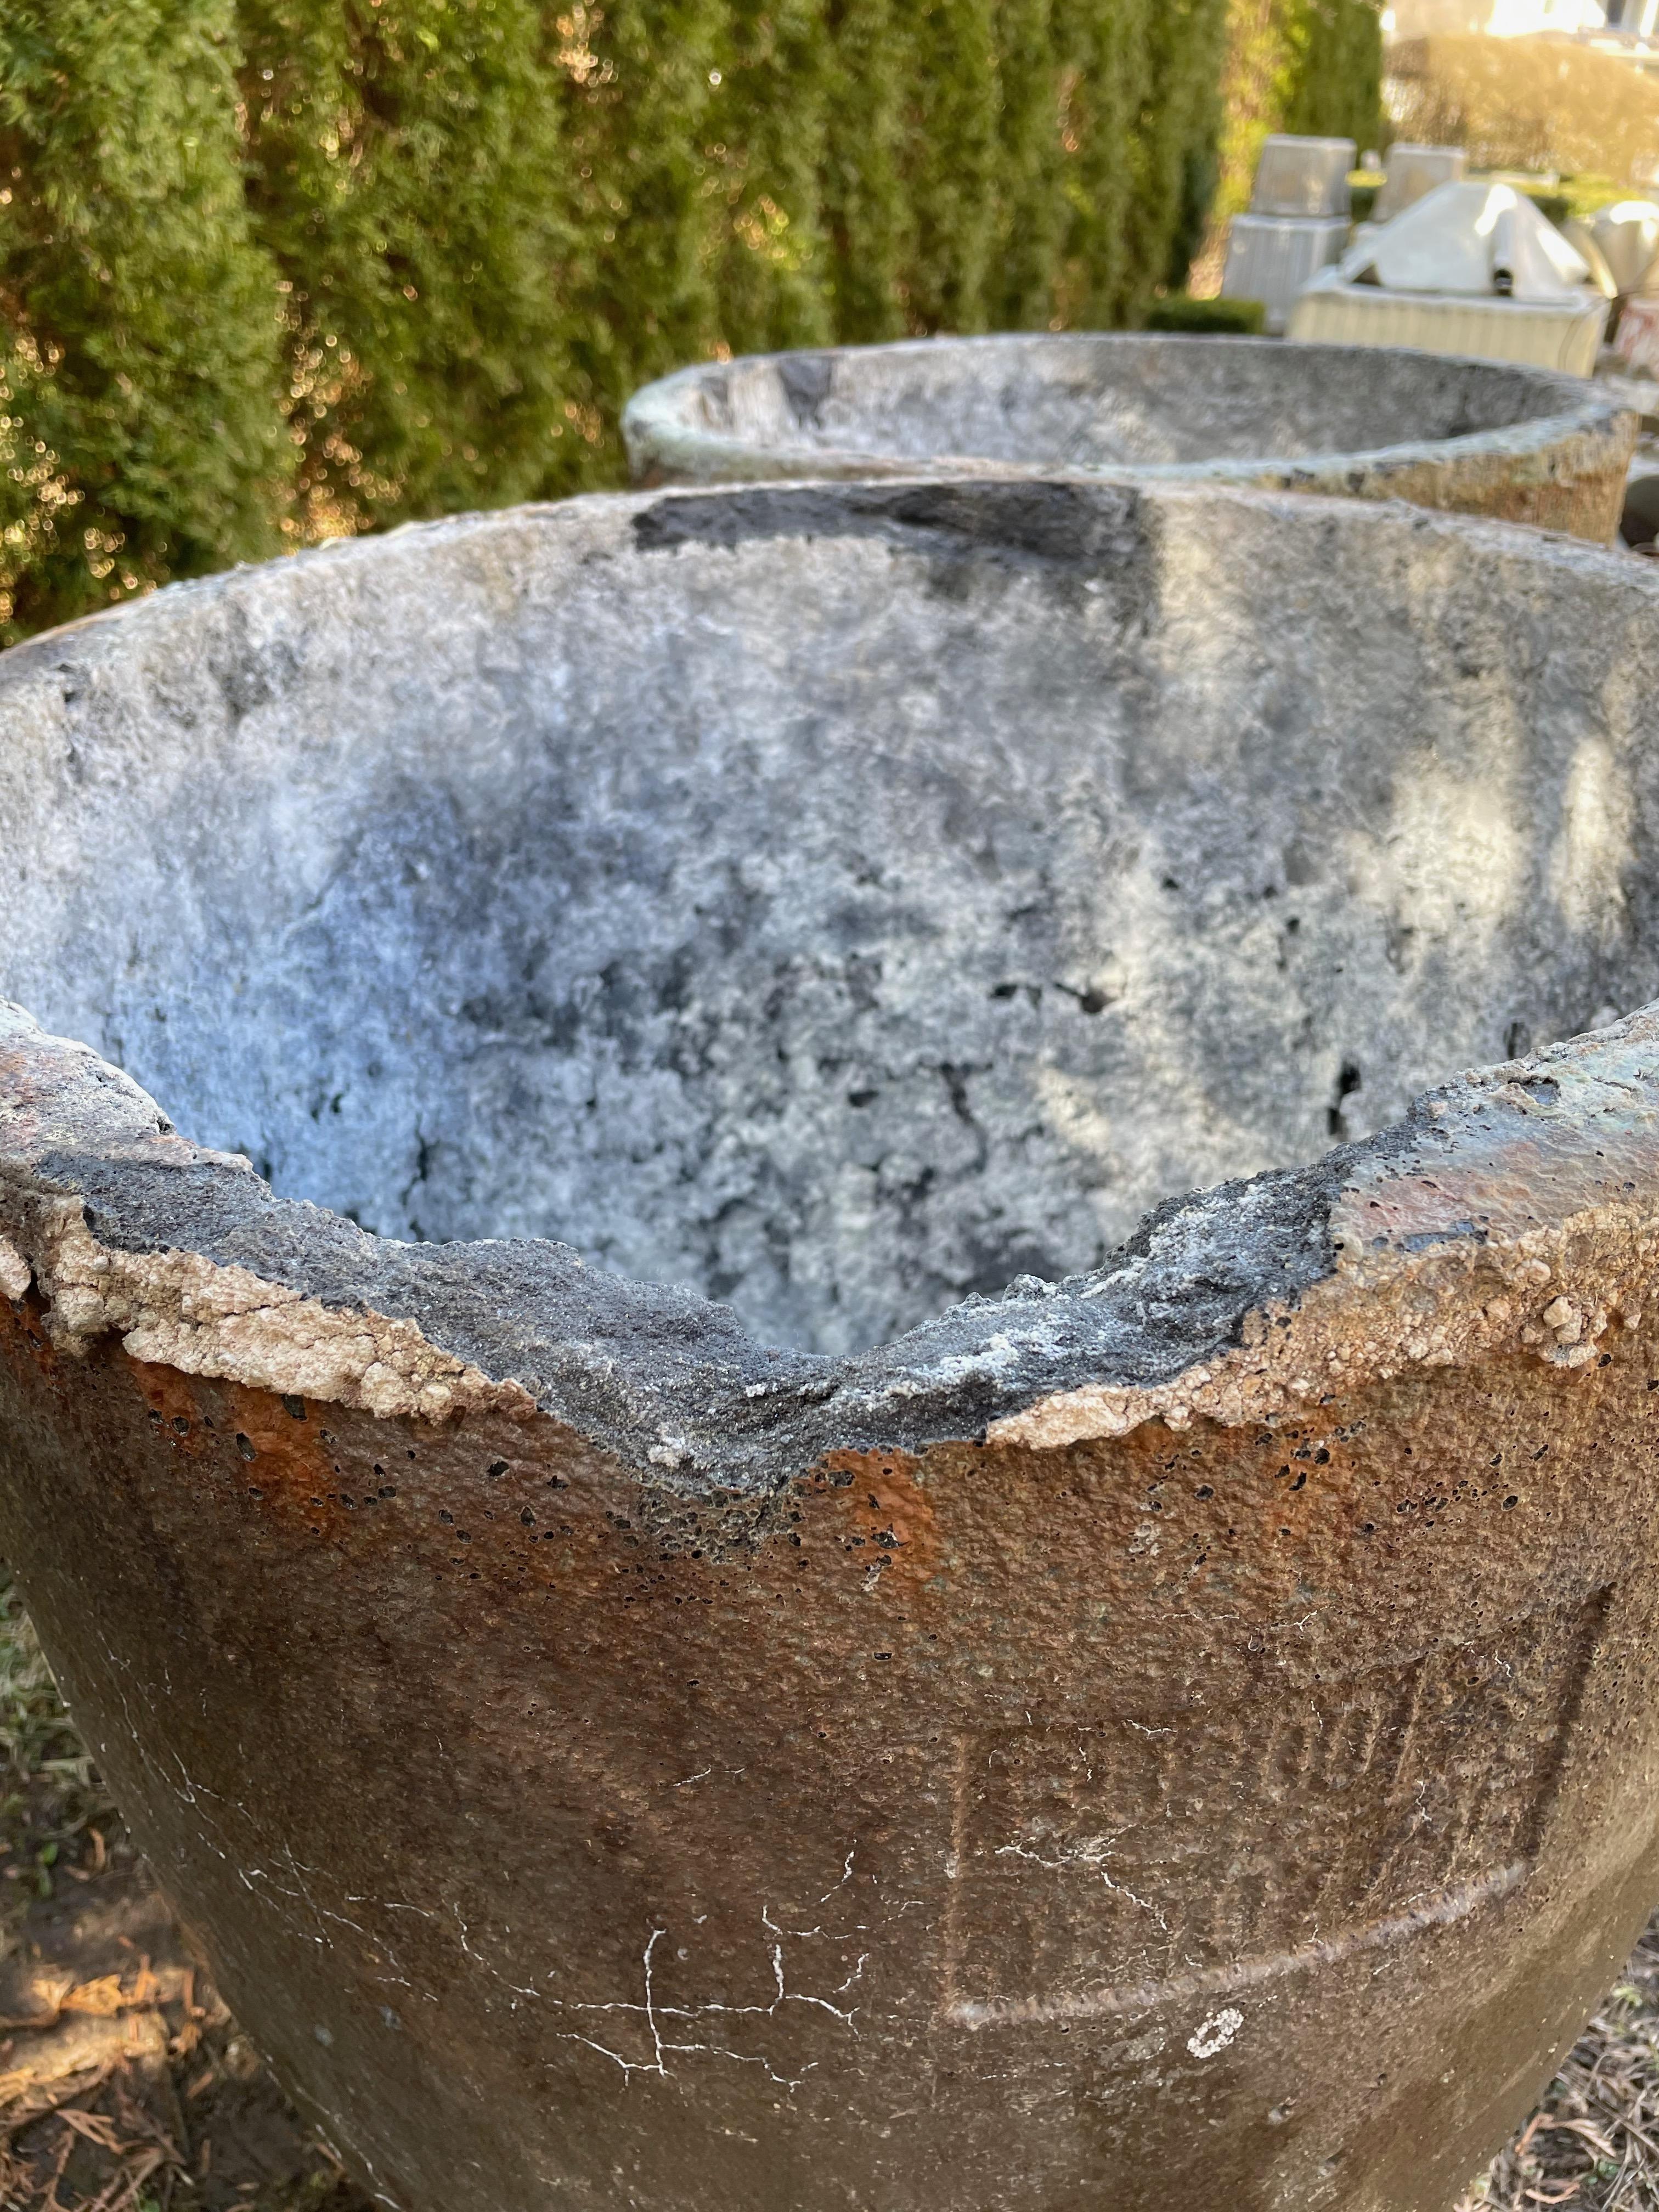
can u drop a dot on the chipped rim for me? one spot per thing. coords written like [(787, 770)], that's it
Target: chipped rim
[(1516, 1209), (660, 432)]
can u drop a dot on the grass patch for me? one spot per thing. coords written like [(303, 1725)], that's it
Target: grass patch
[(50, 1792)]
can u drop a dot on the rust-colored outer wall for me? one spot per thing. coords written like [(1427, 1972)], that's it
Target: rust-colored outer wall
[(1575, 484), (1227, 1816)]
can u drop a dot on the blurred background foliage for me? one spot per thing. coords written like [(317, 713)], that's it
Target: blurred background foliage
[(1310, 66), (275, 270), (1548, 105)]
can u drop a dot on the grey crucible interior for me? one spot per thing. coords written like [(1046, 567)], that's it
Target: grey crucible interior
[(670, 1434)]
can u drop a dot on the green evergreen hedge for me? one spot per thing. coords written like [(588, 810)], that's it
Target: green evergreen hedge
[(1188, 318), (140, 353), (271, 268), (1335, 74), (1314, 67)]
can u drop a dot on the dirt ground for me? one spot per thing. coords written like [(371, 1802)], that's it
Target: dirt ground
[(126, 2086), (124, 2083), (1593, 2143)]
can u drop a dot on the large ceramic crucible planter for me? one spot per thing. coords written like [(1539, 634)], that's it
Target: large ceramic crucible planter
[(877, 1672), (1477, 437)]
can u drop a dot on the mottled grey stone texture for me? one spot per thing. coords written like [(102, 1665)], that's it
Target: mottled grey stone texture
[(838, 902), (1479, 437)]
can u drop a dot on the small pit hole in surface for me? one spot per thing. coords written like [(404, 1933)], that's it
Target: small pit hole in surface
[(1348, 1080)]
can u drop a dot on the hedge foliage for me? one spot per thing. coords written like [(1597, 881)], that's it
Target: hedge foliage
[(1310, 66), (1186, 317), (140, 340), (272, 269), (1335, 72)]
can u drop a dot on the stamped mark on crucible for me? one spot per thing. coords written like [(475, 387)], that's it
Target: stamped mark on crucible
[(1106, 1868)]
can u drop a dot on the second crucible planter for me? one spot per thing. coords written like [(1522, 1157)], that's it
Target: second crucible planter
[(1478, 437)]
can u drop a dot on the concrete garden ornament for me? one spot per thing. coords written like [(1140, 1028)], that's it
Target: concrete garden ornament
[(1481, 437), (905, 1664)]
